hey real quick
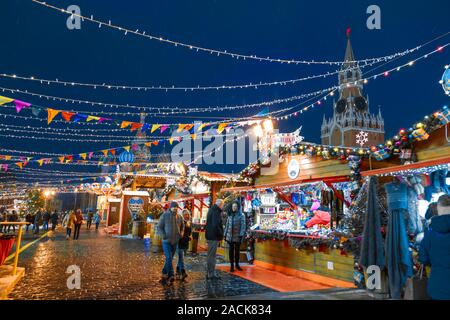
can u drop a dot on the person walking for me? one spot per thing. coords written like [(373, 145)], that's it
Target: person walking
[(45, 219), (234, 233), (54, 219), (434, 251), (69, 223), (171, 227), (90, 216), (213, 234), (37, 221), (183, 245), (78, 223), (12, 217), (29, 219), (2, 219), (96, 220)]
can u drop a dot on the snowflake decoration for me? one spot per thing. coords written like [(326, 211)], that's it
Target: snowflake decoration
[(362, 138)]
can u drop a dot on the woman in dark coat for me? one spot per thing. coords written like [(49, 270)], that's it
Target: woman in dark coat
[(234, 233), (183, 245), (435, 251)]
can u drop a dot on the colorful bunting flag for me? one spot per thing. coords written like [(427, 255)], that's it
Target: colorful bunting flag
[(20, 105), (155, 127), (52, 113), (125, 124), (4, 100)]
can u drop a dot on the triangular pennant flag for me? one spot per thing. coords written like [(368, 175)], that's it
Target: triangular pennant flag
[(78, 117), (148, 144), (155, 143), (194, 136), (20, 105), (90, 154), (181, 127), (145, 127), (67, 115), (35, 111), (188, 127), (5, 166), (7, 157), (113, 151), (19, 164), (61, 159), (155, 127), (101, 119), (125, 124), (105, 152), (29, 158), (41, 162), (171, 141), (164, 127), (127, 148), (83, 156), (4, 100), (201, 126), (90, 118), (136, 125), (52, 113), (221, 127)]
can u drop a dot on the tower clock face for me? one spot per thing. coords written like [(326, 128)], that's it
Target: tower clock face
[(341, 105), (360, 104)]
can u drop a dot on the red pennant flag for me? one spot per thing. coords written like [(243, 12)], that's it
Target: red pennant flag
[(136, 125), (67, 115)]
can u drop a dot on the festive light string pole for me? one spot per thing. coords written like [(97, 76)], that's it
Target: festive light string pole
[(214, 51)]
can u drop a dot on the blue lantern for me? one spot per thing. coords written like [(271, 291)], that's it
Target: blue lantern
[(126, 157)]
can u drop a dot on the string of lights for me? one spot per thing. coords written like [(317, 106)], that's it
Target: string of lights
[(165, 110), (217, 52), (256, 85)]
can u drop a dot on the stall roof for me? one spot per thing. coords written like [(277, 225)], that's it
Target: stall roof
[(212, 176), (412, 166), (286, 184), (188, 197), (135, 193)]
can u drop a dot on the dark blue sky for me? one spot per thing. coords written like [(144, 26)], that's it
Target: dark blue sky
[(35, 41)]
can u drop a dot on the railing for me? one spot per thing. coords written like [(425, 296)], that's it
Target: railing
[(19, 240)]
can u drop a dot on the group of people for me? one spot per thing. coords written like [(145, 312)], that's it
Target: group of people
[(175, 230), (73, 220), (40, 218)]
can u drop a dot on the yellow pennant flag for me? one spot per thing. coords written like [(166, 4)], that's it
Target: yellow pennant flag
[(83, 156), (171, 141), (125, 124), (201, 126), (61, 159), (4, 100), (127, 148), (222, 127), (194, 136), (7, 157), (40, 161), (155, 127), (90, 118), (181, 127), (52, 113), (105, 152), (19, 164), (148, 144)]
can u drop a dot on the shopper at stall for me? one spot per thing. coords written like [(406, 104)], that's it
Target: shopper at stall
[(78, 223), (171, 227), (234, 233), (434, 251), (90, 216), (183, 245), (213, 234)]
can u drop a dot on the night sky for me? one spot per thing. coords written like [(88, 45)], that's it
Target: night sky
[(36, 42)]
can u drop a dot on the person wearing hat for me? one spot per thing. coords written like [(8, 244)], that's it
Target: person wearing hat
[(435, 251), (171, 227)]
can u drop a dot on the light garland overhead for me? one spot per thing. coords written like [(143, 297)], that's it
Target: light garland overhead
[(215, 51)]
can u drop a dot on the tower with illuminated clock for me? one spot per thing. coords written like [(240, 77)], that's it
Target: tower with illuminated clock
[(352, 124)]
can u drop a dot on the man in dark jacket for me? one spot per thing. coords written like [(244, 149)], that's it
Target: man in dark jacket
[(171, 227), (434, 251), (214, 234), (54, 219), (45, 219)]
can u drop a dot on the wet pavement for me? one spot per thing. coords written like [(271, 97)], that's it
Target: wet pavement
[(113, 268)]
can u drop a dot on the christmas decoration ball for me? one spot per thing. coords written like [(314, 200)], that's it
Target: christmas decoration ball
[(126, 157), (446, 80)]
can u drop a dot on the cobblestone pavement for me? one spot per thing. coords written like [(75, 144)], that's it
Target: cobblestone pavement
[(113, 268)]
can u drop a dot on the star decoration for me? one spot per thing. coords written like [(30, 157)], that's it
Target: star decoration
[(362, 138)]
